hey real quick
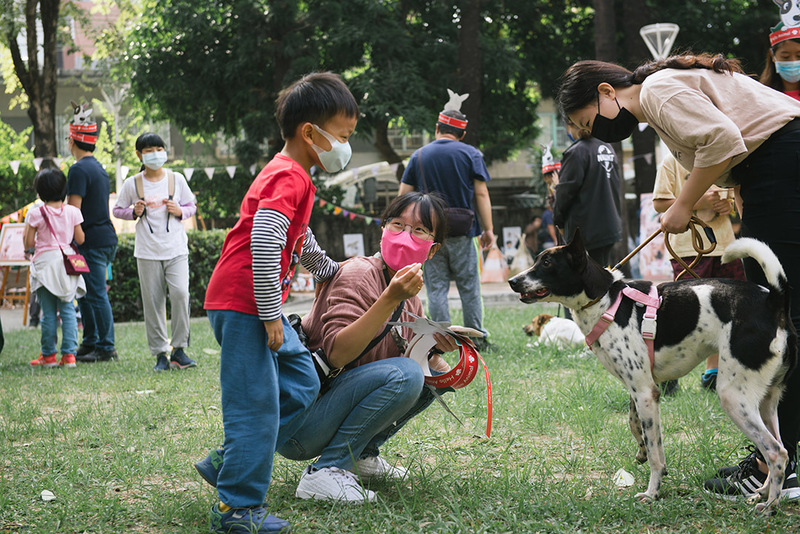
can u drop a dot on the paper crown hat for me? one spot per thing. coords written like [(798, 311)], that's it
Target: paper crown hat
[(789, 27), (82, 128), (454, 104), (549, 164)]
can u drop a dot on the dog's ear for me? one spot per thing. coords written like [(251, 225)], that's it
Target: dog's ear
[(577, 252)]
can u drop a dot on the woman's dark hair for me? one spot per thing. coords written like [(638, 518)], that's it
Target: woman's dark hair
[(149, 139), (314, 98), (769, 76), (430, 207), (50, 185), (578, 84)]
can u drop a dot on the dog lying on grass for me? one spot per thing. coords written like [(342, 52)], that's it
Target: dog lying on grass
[(557, 331), (746, 323)]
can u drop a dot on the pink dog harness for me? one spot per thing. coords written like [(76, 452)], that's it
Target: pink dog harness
[(651, 303)]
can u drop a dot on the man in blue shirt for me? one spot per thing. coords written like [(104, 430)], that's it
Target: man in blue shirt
[(457, 172), (88, 188)]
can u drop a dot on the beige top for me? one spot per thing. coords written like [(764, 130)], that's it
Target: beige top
[(669, 182), (705, 117)]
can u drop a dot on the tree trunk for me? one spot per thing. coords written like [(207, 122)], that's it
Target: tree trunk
[(469, 67), (385, 149), (40, 86)]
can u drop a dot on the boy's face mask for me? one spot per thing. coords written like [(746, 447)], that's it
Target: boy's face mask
[(154, 160), (335, 159)]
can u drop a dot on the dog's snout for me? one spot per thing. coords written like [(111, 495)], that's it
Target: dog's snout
[(515, 282)]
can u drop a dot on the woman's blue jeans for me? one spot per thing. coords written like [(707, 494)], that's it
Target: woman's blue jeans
[(363, 408), (51, 307), (96, 316), (265, 395)]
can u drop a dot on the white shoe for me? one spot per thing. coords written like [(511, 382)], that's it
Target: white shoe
[(332, 484), (376, 467)]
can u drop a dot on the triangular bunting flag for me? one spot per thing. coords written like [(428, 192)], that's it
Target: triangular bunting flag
[(253, 169), (14, 166), (188, 172), (368, 220), (231, 170), (337, 210), (345, 213), (322, 203), (123, 171), (209, 172), (37, 162), (353, 216)]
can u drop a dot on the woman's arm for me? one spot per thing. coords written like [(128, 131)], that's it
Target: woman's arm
[(676, 218), (351, 340), (29, 236)]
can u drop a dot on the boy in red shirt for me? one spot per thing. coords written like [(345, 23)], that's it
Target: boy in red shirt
[(267, 377)]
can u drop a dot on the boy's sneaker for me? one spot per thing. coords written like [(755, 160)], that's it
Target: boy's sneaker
[(209, 467), (67, 360), (747, 478), (255, 520), (179, 359), (51, 360), (332, 484), (708, 380), (162, 364), (376, 467)]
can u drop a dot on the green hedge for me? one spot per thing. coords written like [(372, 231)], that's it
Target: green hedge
[(124, 292)]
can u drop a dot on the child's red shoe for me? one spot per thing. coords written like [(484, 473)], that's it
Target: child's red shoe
[(67, 360), (45, 361)]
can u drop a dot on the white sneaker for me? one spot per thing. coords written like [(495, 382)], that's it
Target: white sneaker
[(376, 467), (332, 484)]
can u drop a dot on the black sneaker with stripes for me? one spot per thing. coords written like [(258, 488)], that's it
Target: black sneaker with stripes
[(745, 480)]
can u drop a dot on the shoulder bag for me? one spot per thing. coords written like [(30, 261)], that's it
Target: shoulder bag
[(75, 264)]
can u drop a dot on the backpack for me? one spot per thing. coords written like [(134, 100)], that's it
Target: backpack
[(138, 181)]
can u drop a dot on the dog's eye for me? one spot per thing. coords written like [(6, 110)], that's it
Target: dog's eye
[(546, 262)]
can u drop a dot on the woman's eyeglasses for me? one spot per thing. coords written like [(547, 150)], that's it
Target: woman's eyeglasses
[(420, 232)]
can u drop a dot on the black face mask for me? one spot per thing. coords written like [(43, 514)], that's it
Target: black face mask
[(616, 129)]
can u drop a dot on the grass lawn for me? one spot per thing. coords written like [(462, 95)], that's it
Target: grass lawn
[(115, 443)]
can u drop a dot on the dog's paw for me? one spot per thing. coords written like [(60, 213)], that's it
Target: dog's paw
[(641, 456), (644, 497)]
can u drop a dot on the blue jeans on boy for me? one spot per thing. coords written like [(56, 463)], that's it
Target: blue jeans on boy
[(265, 395), (363, 408), (98, 321), (51, 306)]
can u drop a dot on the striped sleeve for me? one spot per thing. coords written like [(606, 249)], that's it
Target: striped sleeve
[(267, 240), (315, 260)]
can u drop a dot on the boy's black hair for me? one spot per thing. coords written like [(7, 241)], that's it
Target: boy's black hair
[(86, 147), (430, 207), (149, 139), (50, 185), (314, 98)]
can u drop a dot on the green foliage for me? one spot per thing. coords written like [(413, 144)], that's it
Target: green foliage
[(15, 190), (125, 293)]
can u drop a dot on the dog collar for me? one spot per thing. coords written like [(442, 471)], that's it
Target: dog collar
[(651, 302)]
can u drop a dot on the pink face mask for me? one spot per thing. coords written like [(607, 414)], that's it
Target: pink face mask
[(399, 249)]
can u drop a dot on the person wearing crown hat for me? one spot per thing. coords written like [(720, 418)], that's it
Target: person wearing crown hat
[(88, 189), (587, 195), (782, 67), (457, 172)]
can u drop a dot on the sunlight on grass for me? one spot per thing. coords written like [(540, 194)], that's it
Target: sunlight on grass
[(115, 443)]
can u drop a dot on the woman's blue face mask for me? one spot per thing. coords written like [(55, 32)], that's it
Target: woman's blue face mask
[(788, 70)]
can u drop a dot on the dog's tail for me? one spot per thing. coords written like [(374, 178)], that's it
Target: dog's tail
[(752, 248)]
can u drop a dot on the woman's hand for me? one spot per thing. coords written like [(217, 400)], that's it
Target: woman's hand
[(445, 343), (676, 219), (407, 282), (274, 333)]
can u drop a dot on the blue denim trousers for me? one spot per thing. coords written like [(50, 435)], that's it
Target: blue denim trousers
[(265, 396), (51, 307), (363, 408), (456, 260), (96, 316)]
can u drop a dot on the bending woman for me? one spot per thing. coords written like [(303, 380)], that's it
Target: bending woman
[(377, 392), (725, 129)]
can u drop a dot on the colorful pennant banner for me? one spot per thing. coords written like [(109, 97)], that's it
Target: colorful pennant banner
[(338, 210)]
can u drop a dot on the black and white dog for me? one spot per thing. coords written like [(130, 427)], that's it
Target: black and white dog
[(747, 324)]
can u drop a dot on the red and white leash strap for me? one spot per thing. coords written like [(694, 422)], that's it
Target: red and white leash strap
[(462, 373)]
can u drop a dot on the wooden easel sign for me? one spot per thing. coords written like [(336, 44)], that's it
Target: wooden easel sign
[(12, 248)]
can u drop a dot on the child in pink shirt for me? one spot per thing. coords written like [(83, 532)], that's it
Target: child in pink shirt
[(49, 229)]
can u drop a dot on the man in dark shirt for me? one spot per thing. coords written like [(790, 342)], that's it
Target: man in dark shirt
[(88, 189)]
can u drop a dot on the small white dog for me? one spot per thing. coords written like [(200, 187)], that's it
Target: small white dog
[(557, 331)]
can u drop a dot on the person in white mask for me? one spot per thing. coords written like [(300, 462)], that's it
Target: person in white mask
[(160, 199), (782, 68)]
